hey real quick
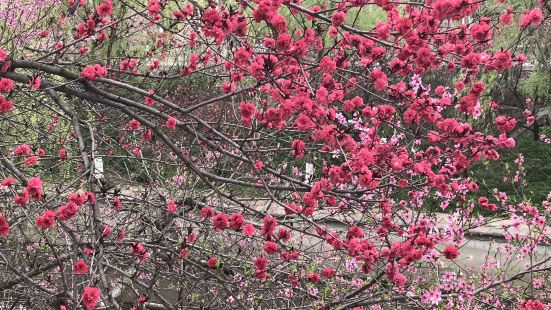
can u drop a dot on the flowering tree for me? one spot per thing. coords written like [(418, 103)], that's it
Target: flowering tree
[(153, 156)]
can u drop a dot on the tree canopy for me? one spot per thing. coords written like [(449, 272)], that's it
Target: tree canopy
[(270, 154)]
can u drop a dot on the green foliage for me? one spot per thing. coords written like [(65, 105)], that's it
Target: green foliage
[(537, 168), (365, 18), (537, 85)]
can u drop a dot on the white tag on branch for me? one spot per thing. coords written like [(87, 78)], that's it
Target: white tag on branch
[(98, 168), (309, 173)]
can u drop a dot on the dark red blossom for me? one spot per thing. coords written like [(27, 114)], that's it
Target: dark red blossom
[(212, 262), (505, 124), (249, 230), (139, 251), (533, 17), (207, 212), (269, 226), (34, 187), (450, 252), (90, 297), (5, 85), (67, 211), (270, 247), (532, 305), (105, 9), (220, 221), (80, 267), (171, 123), (236, 221), (298, 148), (4, 227), (328, 272), (5, 105), (46, 220), (313, 277), (9, 181), (338, 18)]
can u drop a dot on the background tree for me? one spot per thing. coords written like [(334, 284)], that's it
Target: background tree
[(203, 116)]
